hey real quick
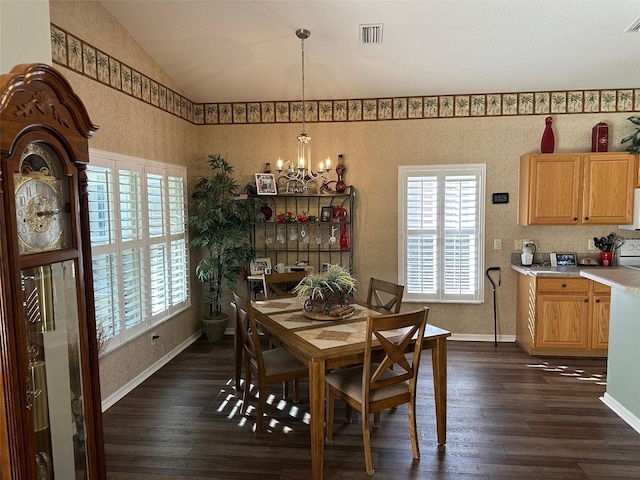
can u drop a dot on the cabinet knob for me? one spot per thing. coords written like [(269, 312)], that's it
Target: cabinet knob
[(575, 219), (564, 285), (598, 300), (586, 300), (586, 219)]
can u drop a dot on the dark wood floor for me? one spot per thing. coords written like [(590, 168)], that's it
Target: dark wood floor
[(510, 416)]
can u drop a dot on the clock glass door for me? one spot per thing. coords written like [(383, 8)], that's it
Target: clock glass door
[(55, 388)]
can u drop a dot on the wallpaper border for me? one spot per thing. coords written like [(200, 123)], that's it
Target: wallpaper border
[(74, 53)]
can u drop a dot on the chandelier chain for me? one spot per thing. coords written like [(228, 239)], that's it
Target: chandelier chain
[(304, 108)]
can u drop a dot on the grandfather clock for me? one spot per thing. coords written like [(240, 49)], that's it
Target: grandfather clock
[(50, 415)]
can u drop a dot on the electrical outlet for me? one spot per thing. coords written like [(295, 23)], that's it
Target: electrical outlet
[(497, 243), (517, 244), (591, 245), (154, 337)]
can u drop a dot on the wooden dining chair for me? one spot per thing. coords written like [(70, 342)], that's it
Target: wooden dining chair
[(385, 294), (281, 284), (269, 366), (372, 387)]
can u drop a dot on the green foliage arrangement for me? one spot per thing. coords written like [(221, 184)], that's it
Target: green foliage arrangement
[(634, 138), (222, 226), (336, 280)]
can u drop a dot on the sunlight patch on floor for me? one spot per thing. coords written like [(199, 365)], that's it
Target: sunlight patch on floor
[(231, 404), (566, 371)]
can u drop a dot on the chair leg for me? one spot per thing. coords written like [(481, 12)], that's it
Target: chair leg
[(366, 440), (376, 420), (285, 390), (296, 391), (329, 415), (413, 429), (261, 408), (245, 392), (348, 414)]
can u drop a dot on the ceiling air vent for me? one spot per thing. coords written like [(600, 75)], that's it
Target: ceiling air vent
[(371, 34), (635, 26)]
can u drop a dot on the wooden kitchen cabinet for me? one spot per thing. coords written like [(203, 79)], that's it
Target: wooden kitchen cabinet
[(562, 313), (577, 189), (562, 316), (600, 308)]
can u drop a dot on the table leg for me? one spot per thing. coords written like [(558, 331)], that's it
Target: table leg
[(439, 364), (316, 401)]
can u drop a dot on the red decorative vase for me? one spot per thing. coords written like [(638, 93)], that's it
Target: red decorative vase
[(340, 169), (339, 214), (344, 238), (548, 141)]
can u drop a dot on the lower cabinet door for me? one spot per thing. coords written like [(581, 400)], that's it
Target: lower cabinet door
[(563, 321), (600, 322)]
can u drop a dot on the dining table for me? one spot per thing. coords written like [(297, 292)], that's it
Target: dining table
[(329, 343)]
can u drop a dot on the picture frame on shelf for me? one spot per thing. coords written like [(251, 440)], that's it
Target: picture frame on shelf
[(260, 265), (266, 184), (326, 214)]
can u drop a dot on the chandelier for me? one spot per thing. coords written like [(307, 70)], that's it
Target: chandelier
[(296, 176)]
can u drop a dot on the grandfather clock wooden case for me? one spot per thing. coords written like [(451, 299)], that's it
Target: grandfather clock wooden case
[(50, 415)]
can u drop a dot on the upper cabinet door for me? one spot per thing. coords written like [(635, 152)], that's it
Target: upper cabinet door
[(577, 189), (609, 180), (550, 189)]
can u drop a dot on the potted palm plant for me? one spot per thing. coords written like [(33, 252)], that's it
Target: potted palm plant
[(222, 227)]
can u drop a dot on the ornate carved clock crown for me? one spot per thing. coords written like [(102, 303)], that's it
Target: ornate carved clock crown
[(49, 382)]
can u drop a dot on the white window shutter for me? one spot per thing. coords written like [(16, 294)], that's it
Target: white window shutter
[(139, 243), (441, 232)]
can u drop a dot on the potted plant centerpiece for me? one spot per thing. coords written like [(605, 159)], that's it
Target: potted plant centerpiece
[(327, 293), (222, 226)]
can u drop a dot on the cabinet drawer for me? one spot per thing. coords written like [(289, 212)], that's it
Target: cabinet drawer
[(601, 288), (563, 285)]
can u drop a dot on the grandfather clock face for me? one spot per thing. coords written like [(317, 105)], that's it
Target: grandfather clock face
[(41, 201)]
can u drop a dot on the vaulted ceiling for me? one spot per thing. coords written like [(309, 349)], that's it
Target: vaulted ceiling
[(227, 51)]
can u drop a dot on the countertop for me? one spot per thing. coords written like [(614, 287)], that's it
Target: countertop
[(622, 278), (554, 271)]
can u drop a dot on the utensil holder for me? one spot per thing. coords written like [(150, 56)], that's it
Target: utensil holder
[(606, 259)]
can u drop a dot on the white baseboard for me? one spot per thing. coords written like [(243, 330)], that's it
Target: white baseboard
[(621, 411), (137, 380), (465, 337)]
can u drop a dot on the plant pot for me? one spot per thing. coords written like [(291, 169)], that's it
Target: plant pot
[(324, 305), (214, 328)]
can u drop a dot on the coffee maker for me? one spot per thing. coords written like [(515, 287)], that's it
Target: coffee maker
[(528, 252)]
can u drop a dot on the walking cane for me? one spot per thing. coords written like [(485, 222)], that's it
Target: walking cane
[(495, 312)]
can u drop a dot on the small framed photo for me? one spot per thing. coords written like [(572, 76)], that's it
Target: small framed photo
[(260, 265), (326, 213), (266, 184), (563, 259)]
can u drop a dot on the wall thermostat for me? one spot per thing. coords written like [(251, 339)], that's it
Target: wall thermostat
[(500, 198)]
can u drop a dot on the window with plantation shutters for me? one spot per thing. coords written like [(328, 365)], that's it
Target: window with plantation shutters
[(441, 232), (138, 221)]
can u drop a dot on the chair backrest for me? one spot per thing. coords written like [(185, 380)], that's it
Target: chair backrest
[(281, 284), (248, 329), (396, 334), (385, 294)]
